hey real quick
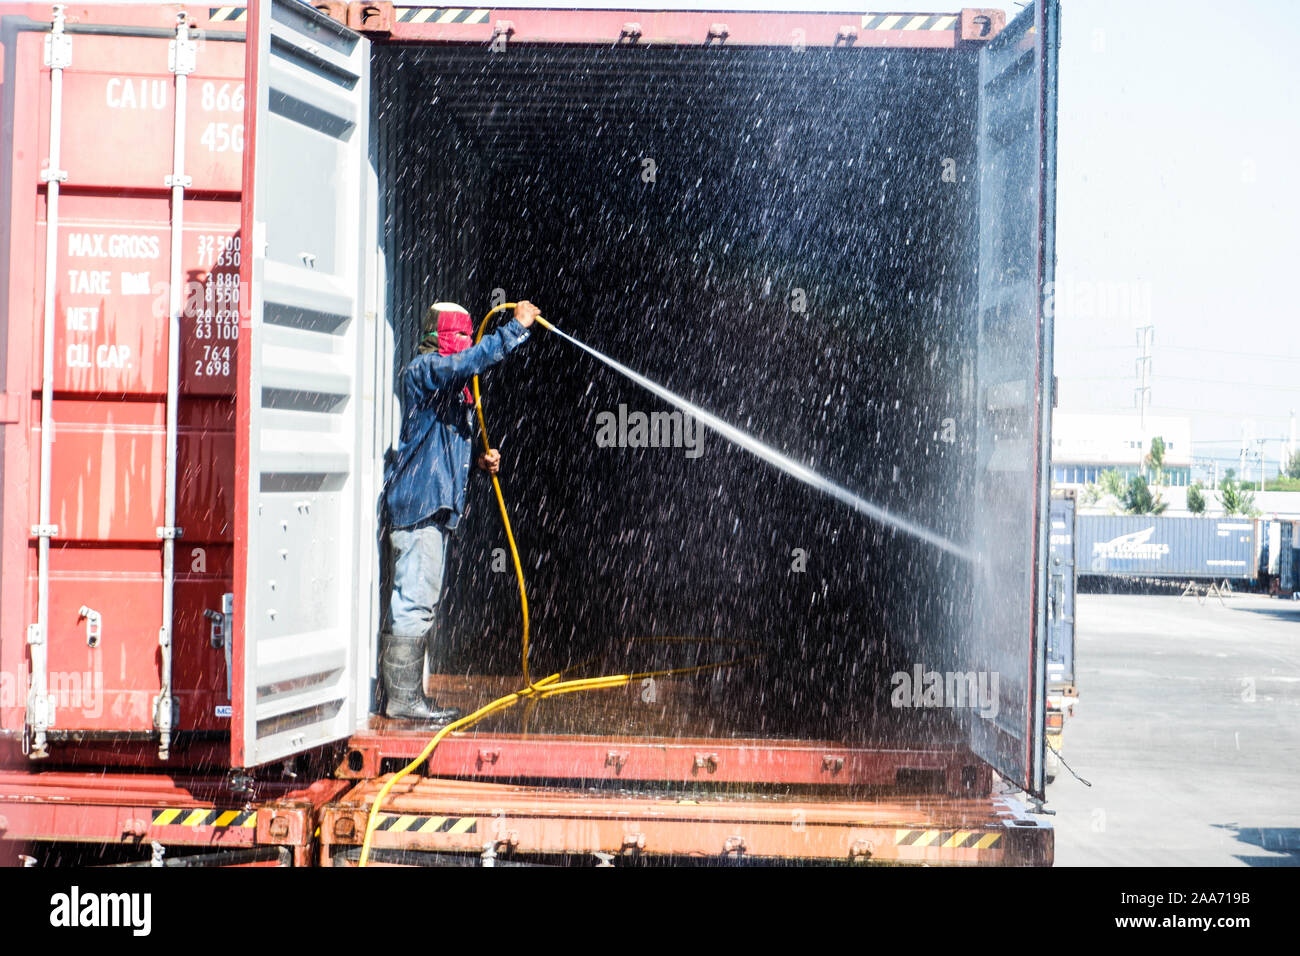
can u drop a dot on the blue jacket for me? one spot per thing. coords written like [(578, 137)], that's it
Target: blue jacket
[(430, 468)]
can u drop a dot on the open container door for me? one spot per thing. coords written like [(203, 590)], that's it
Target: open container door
[(300, 574), (1061, 592), (1017, 186)]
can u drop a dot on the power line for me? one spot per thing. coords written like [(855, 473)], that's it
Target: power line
[(1160, 409), (1224, 441), (1061, 347), (1179, 378), (1213, 413), (1253, 355), (1219, 381)]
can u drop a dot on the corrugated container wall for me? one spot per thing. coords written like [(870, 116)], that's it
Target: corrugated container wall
[(729, 277), (105, 653)]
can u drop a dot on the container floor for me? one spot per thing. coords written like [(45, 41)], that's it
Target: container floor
[(692, 707)]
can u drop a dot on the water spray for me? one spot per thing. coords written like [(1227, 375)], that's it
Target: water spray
[(769, 454), (552, 685)]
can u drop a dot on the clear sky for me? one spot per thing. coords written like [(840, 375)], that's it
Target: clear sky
[(1178, 128), (1178, 204)]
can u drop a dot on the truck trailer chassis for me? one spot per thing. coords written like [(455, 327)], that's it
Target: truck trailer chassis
[(583, 800)]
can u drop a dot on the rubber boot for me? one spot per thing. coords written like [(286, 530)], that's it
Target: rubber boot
[(402, 666)]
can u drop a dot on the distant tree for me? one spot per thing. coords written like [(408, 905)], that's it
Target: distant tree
[(1196, 499), (1091, 494), (1282, 483), (1236, 499), (1155, 460), (1113, 483), (1293, 464), (1141, 500)]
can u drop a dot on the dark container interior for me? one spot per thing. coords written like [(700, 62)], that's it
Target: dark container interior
[(768, 232)]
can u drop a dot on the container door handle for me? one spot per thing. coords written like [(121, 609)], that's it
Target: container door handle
[(219, 631), (94, 624)]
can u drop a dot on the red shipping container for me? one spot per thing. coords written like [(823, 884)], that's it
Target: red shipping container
[(290, 308)]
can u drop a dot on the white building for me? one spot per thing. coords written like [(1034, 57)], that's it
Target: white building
[(1085, 444)]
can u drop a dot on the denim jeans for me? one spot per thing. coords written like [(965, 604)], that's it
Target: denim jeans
[(420, 564)]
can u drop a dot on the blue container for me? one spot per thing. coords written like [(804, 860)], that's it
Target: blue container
[(1149, 546)]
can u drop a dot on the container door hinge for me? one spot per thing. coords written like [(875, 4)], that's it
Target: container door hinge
[(45, 530), (181, 51), (630, 34), (717, 32), (39, 715), (172, 180), (40, 712), (164, 713), (94, 624), (55, 175), (845, 36), (167, 534), (164, 705), (58, 45)]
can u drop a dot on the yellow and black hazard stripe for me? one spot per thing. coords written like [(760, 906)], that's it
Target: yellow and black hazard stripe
[(909, 21), (441, 14), (414, 823), (948, 839), (204, 817), (224, 14)]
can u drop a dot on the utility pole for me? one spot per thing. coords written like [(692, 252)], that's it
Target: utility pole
[(1212, 465), (1290, 445), (1146, 335), (1247, 426)]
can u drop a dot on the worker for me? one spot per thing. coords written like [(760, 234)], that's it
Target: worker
[(424, 490)]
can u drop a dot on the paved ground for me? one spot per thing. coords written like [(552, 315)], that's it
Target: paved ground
[(1188, 727)]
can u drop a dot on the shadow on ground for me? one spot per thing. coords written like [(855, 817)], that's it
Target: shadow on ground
[(1286, 612), (1283, 842)]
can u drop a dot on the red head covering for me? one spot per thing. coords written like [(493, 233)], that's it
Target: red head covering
[(454, 331), (455, 328)]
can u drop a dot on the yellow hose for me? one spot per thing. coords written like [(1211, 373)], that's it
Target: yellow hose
[(496, 484), (533, 691)]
